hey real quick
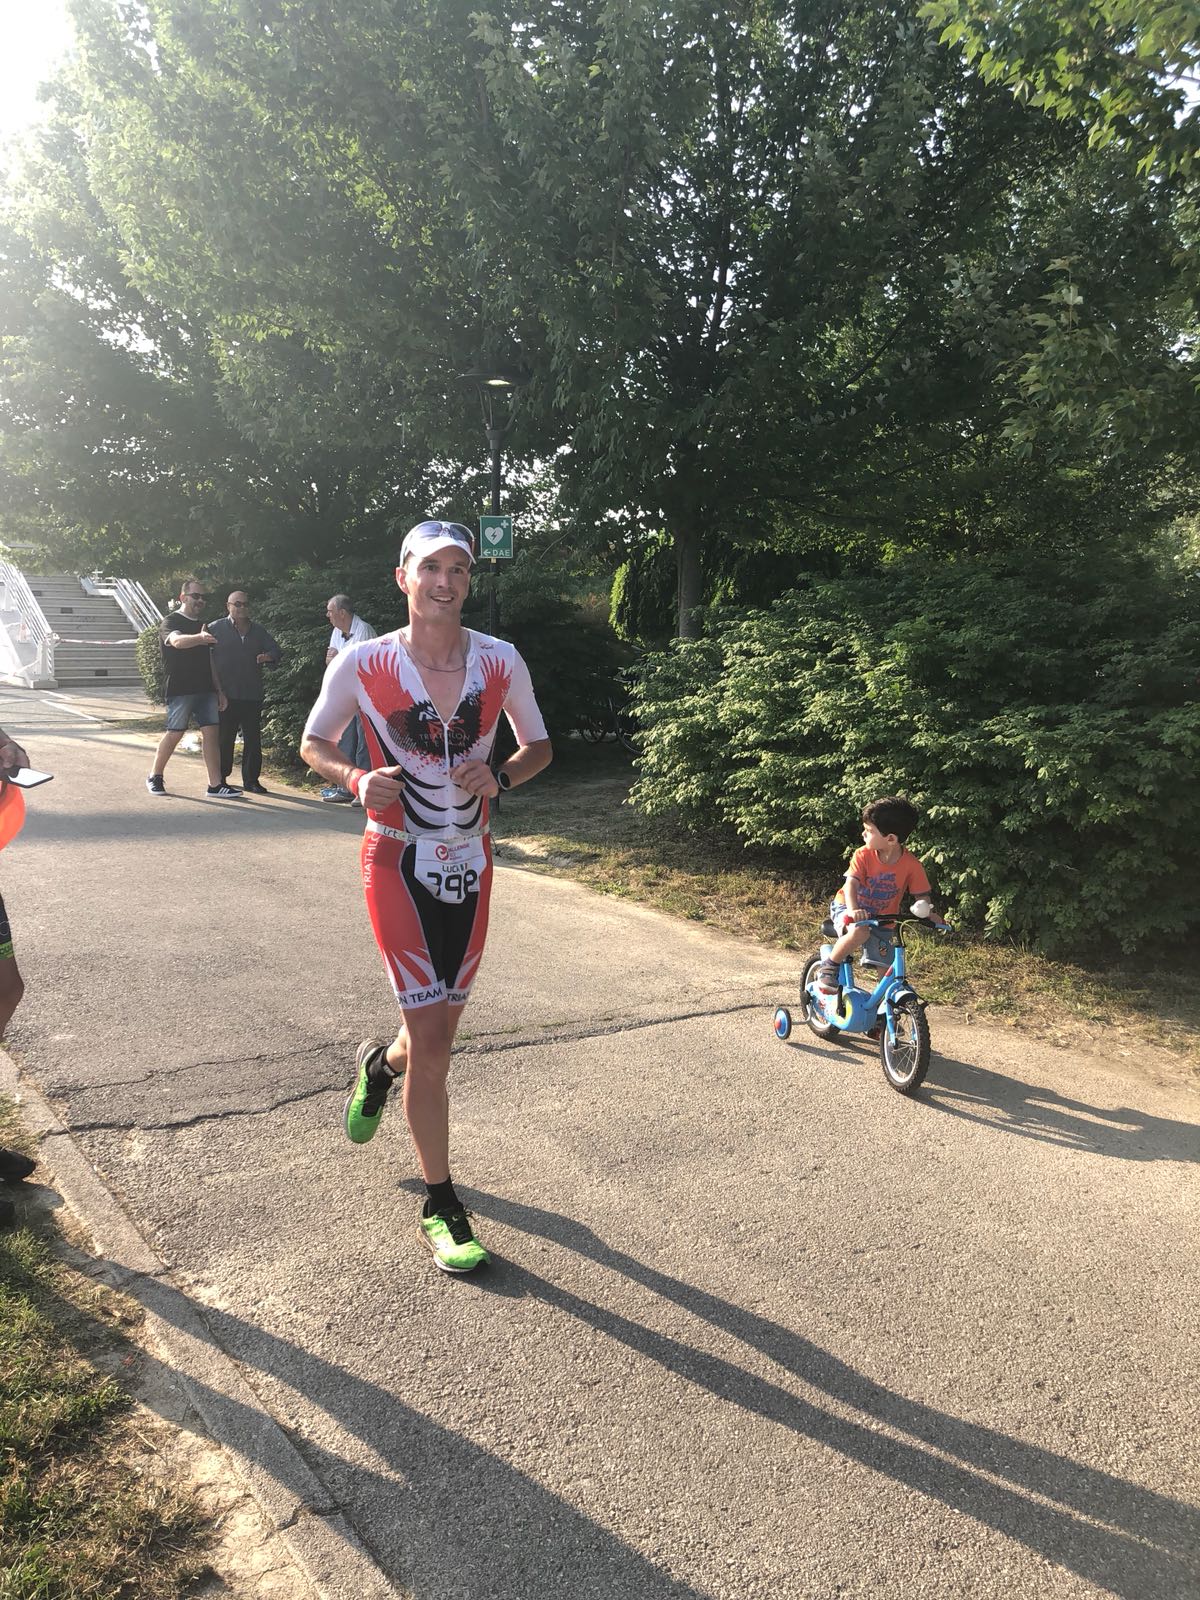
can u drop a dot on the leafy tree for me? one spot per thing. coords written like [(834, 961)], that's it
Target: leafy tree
[(132, 439), (1126, 70), (774, 276), (778, 280)]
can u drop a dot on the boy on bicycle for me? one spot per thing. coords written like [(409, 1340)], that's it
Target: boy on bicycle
[(880, 874)]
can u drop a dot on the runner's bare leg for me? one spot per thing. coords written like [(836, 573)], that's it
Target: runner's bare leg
[(422, 1050)]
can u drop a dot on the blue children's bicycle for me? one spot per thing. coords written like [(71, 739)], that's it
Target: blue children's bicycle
[(893, 1012)]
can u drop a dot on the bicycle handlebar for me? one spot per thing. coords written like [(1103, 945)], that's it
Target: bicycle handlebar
[(893, 917)]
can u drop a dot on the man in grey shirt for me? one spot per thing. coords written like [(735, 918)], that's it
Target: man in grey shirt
[(242, 650)]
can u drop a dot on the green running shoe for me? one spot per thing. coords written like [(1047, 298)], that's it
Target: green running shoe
[(364, 1108), (453, 1242)]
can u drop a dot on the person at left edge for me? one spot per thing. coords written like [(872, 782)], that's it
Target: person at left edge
[(13, 1165), (243, 649)]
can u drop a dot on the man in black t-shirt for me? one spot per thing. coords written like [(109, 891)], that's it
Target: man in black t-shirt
[(193, 690)]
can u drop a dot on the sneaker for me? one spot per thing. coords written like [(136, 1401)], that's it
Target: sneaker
[(453, 1242), (827, 977), (365, 1105), (155, 783), (339, 797), (14, 1167), (224, 791)]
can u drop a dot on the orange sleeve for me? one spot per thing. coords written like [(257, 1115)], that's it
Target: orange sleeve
[(856, 862)]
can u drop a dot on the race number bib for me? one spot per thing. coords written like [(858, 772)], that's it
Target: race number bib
[(450, 868)]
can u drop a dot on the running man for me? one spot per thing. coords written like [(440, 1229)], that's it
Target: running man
[(430, 697)]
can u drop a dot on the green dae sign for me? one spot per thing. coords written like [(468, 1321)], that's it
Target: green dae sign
[(496, 538)]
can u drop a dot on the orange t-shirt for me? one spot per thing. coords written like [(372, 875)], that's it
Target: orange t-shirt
[(881, 887)]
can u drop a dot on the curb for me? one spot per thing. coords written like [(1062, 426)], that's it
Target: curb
[(293, 1500)]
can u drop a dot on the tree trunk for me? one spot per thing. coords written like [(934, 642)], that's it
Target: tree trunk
[(689, 583)]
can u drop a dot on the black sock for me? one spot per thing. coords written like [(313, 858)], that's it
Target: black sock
[(442, 1199), (381, 1068)]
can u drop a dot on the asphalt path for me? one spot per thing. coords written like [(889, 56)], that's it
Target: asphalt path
[(756, 1325)]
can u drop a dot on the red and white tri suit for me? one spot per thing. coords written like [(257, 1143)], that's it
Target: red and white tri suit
[(427, 859)]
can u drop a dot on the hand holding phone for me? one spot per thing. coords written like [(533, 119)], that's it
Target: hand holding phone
[(27, 777)]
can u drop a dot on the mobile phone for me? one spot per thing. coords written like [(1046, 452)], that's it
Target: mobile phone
[(27, 778)]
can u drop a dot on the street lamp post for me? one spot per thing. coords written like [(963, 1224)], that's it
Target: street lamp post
[(494, 382)]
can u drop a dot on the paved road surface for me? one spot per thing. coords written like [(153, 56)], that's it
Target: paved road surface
[(757, 1327)]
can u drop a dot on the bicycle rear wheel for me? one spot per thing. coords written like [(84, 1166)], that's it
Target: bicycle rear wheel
[(812, 1016), (906, 1058)]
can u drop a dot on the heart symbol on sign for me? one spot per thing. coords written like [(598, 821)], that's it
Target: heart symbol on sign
[(493, 535)]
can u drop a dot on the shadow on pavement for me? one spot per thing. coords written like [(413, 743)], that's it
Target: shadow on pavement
[(173, 815), (474, 1524), (1148, 1548), (522, 1540), (1009, 1105)]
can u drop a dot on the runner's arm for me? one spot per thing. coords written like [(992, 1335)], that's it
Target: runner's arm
[(335, 708), (476, 777), (534, 751)]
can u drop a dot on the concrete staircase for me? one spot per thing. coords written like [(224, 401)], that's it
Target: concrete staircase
[(88, 628)]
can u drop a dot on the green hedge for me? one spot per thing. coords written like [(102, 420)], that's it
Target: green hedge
[(1042, 712), (149, 660)]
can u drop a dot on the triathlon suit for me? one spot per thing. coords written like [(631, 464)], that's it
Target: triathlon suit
[(427, 859)]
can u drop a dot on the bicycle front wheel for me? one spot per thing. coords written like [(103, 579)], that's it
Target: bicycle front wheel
[(906, 1058)]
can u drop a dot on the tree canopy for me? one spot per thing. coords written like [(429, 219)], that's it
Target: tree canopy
[(782, 282), (1127, 70)]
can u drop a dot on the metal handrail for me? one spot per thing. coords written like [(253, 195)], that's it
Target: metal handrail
[(131, 597), (19, 597)]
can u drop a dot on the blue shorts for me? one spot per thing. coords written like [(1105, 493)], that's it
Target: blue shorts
[(181, 708)]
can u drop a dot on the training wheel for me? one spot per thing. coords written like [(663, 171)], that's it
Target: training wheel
[(783, 1023)]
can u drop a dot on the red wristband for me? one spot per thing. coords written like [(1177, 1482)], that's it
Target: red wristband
[(356, 777)]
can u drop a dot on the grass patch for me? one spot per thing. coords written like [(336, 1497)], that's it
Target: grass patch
[(77, 1519), (574, 822)]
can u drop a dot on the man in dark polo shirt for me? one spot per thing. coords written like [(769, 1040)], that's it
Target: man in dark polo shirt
[(193, 690), (242, 650)]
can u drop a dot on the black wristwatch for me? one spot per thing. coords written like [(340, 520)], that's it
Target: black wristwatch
[(503, 779)]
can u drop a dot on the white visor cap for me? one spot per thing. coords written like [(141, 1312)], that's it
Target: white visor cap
[(428, 537)]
